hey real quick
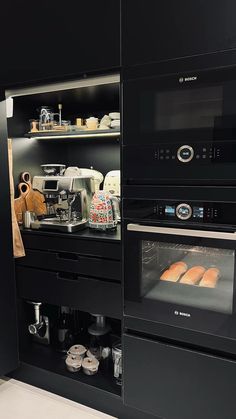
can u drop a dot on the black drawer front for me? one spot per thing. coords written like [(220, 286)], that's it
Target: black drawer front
[(86, 294), (73, 262), (176, 383), (109, 250)]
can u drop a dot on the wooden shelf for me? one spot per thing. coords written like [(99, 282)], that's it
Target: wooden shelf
[(110, 133)]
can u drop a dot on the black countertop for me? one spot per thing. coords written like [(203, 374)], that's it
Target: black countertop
[(87, 233)]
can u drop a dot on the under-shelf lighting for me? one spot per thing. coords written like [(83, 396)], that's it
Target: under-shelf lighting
[(85, 135)]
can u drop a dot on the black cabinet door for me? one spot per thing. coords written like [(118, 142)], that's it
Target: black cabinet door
[(43, 40), (177, 383), (8, 330), (154, 30)]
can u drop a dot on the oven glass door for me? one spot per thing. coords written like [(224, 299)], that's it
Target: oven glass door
[(180, 277), (190, 107)]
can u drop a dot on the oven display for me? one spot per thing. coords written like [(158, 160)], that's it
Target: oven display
[(198, 212), (176, 211), (170, 210)]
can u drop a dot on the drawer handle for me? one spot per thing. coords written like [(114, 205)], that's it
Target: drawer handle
[(67, 256), (66, 275)]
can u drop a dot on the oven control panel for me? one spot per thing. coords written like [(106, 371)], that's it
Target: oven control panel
[(180, 211), (187, 153), (184, 211)]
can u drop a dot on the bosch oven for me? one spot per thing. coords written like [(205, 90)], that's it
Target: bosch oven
[(179, 269), (180, 128)]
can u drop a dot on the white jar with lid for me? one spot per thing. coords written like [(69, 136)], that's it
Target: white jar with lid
[(90, 366), (73, 363), (77, 350)]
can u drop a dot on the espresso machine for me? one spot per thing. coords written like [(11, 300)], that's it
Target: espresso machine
[(67, 200)]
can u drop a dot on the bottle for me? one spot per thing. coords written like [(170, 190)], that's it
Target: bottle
[(64, 334)]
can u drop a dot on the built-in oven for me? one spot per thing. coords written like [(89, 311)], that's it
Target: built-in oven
[(179, 270), (180, 128)]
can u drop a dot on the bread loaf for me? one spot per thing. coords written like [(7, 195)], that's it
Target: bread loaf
[(193, 275), (210, 278), (174, 272), (180, 263)]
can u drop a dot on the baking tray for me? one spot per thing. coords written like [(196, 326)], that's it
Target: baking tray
[(218, 299)]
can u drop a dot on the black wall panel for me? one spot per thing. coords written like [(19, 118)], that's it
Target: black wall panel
[(8, 330), (155, 30), (52, 40)]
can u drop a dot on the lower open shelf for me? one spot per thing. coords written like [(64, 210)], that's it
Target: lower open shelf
[(45, 357)]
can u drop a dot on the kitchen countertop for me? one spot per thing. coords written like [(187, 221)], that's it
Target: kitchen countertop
[(87, 233)]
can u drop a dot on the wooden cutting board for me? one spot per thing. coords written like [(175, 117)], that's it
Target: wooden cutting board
[(34, 199), (20, 203)]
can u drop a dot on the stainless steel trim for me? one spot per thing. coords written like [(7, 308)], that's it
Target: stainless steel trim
[(191, 153), (218, 235), (183, 216)]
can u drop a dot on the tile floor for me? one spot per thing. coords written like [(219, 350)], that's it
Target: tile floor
[(22, 401)]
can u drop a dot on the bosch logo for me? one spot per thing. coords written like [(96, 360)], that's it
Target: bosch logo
[(181, 313), (186, 79)]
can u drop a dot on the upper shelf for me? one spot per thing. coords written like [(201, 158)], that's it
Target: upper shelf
[(72, 134)]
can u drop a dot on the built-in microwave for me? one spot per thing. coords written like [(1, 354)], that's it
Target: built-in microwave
[(180, 270), (180, 128)]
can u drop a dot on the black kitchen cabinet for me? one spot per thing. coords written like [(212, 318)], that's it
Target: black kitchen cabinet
[(8, 329), (154, 30), (177, 383), (86, 293), (84, 268), (46, 40)]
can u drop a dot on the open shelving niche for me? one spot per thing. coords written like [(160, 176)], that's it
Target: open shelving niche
[(80, 98), (47, 357)]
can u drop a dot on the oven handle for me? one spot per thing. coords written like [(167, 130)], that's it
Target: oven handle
[(182, 232)]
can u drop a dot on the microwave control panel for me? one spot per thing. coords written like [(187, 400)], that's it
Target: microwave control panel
[(195, 153), (200, 212)]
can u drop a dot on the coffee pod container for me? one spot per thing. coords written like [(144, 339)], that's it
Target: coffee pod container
[(77, 350), (90, 366), (117, 360), (73, 363)]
